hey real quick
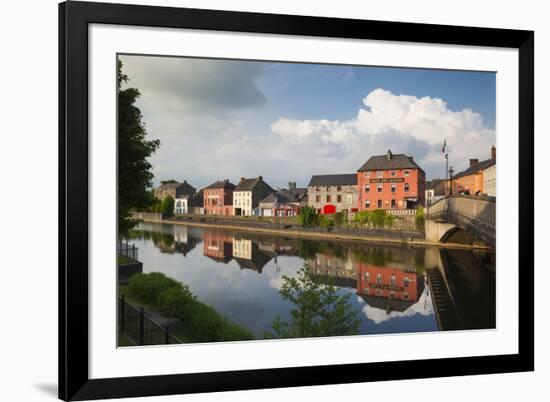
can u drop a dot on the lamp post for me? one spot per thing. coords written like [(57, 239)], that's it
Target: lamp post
[(451, 172)]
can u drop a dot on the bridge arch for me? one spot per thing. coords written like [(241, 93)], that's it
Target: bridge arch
[(456, 235)]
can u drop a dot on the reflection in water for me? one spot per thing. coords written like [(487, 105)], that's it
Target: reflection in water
[(395, 288)]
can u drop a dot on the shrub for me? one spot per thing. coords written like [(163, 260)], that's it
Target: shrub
[(362, 217), (389, 220), (340, 218), (419, 219), (325, 221), (176, 302), (148, 287), (167, 207), (308, 216), (378, 218)]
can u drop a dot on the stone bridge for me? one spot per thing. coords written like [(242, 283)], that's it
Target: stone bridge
[(462, 219)]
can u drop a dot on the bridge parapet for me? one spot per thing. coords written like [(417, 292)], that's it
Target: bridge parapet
[(476, 215)]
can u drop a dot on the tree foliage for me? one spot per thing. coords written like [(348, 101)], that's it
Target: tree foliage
[(319, 310), (308, 216), (134, 170)]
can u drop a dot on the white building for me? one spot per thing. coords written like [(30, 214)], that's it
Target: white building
[(181, 205), (247, 196)]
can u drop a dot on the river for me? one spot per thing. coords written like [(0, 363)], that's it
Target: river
[(395, 289)]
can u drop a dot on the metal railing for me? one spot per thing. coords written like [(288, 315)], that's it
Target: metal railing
[(139, 328), (127, 252)]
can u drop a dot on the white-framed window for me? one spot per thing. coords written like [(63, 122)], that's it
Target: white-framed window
[(367, 188), (393, 173), (380, 173), (379, 187), (349, 198), (406, 173), (367, 204), (406, 187), (393, 187)]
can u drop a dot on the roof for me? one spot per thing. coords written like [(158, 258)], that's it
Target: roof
[(334, 180), (249, 184), (275, 197), (226, 184), (294, 194), (396, 161), (185, 187), (476, 167)]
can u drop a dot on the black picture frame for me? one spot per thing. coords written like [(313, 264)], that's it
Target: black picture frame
[(74, 18)]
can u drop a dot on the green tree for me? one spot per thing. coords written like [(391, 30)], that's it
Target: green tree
[(167, 207), (134, 170), (308, 216), (318, 309), (419, 219)]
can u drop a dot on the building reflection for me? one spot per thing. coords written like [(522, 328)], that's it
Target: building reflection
[(249, 255), (218, 246)]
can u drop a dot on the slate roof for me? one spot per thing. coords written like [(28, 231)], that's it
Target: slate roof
[(476, 167), (294, 194), (275, 197), (397, 161), (226, 184), (333, 180), (249, 184), (184, 188)]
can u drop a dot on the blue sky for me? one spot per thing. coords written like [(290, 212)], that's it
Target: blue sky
[(287, 121)]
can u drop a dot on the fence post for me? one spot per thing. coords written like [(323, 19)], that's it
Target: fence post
[(141, 326), (121, 313)]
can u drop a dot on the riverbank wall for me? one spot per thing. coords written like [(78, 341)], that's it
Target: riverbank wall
[(284, 228)]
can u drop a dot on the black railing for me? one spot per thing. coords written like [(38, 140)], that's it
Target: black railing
[(139, 328), (127, 253)]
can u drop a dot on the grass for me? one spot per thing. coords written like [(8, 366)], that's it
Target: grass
[(199, 322)]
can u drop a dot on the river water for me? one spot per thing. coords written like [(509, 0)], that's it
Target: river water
[(395, 289)]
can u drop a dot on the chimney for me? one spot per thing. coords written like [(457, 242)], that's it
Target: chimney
[(389, 155), (242, 178), (493, 153), (291, 185), (260, 178), (473, 161)]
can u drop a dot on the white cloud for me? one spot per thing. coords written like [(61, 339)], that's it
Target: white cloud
[(402, 123), (423, 306)]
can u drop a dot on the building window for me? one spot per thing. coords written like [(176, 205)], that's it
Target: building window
[(350, 198), (328, 198), (379, 203), (406, 173), (367, 276), (378, 279), (379, 188), (367, 175), (406, 282), (367, 188), (393, 187), (406, 187), (367, 204), (339, 188), (338, 198), (393, 280), (318, 198), (393, 173), (317, 188), (393, 203), (328, 188), (380, 173)]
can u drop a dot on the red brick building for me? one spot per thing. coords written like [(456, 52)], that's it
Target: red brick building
[(388, 282), (218, 198), (390, 182)]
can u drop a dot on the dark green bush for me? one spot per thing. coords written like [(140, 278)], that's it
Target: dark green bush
[(308, 216), (176, 302)]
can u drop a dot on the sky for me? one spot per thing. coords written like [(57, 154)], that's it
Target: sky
[(219, 119)]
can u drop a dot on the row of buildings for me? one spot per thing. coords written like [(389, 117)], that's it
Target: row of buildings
[(389, 182), (479, 178)]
